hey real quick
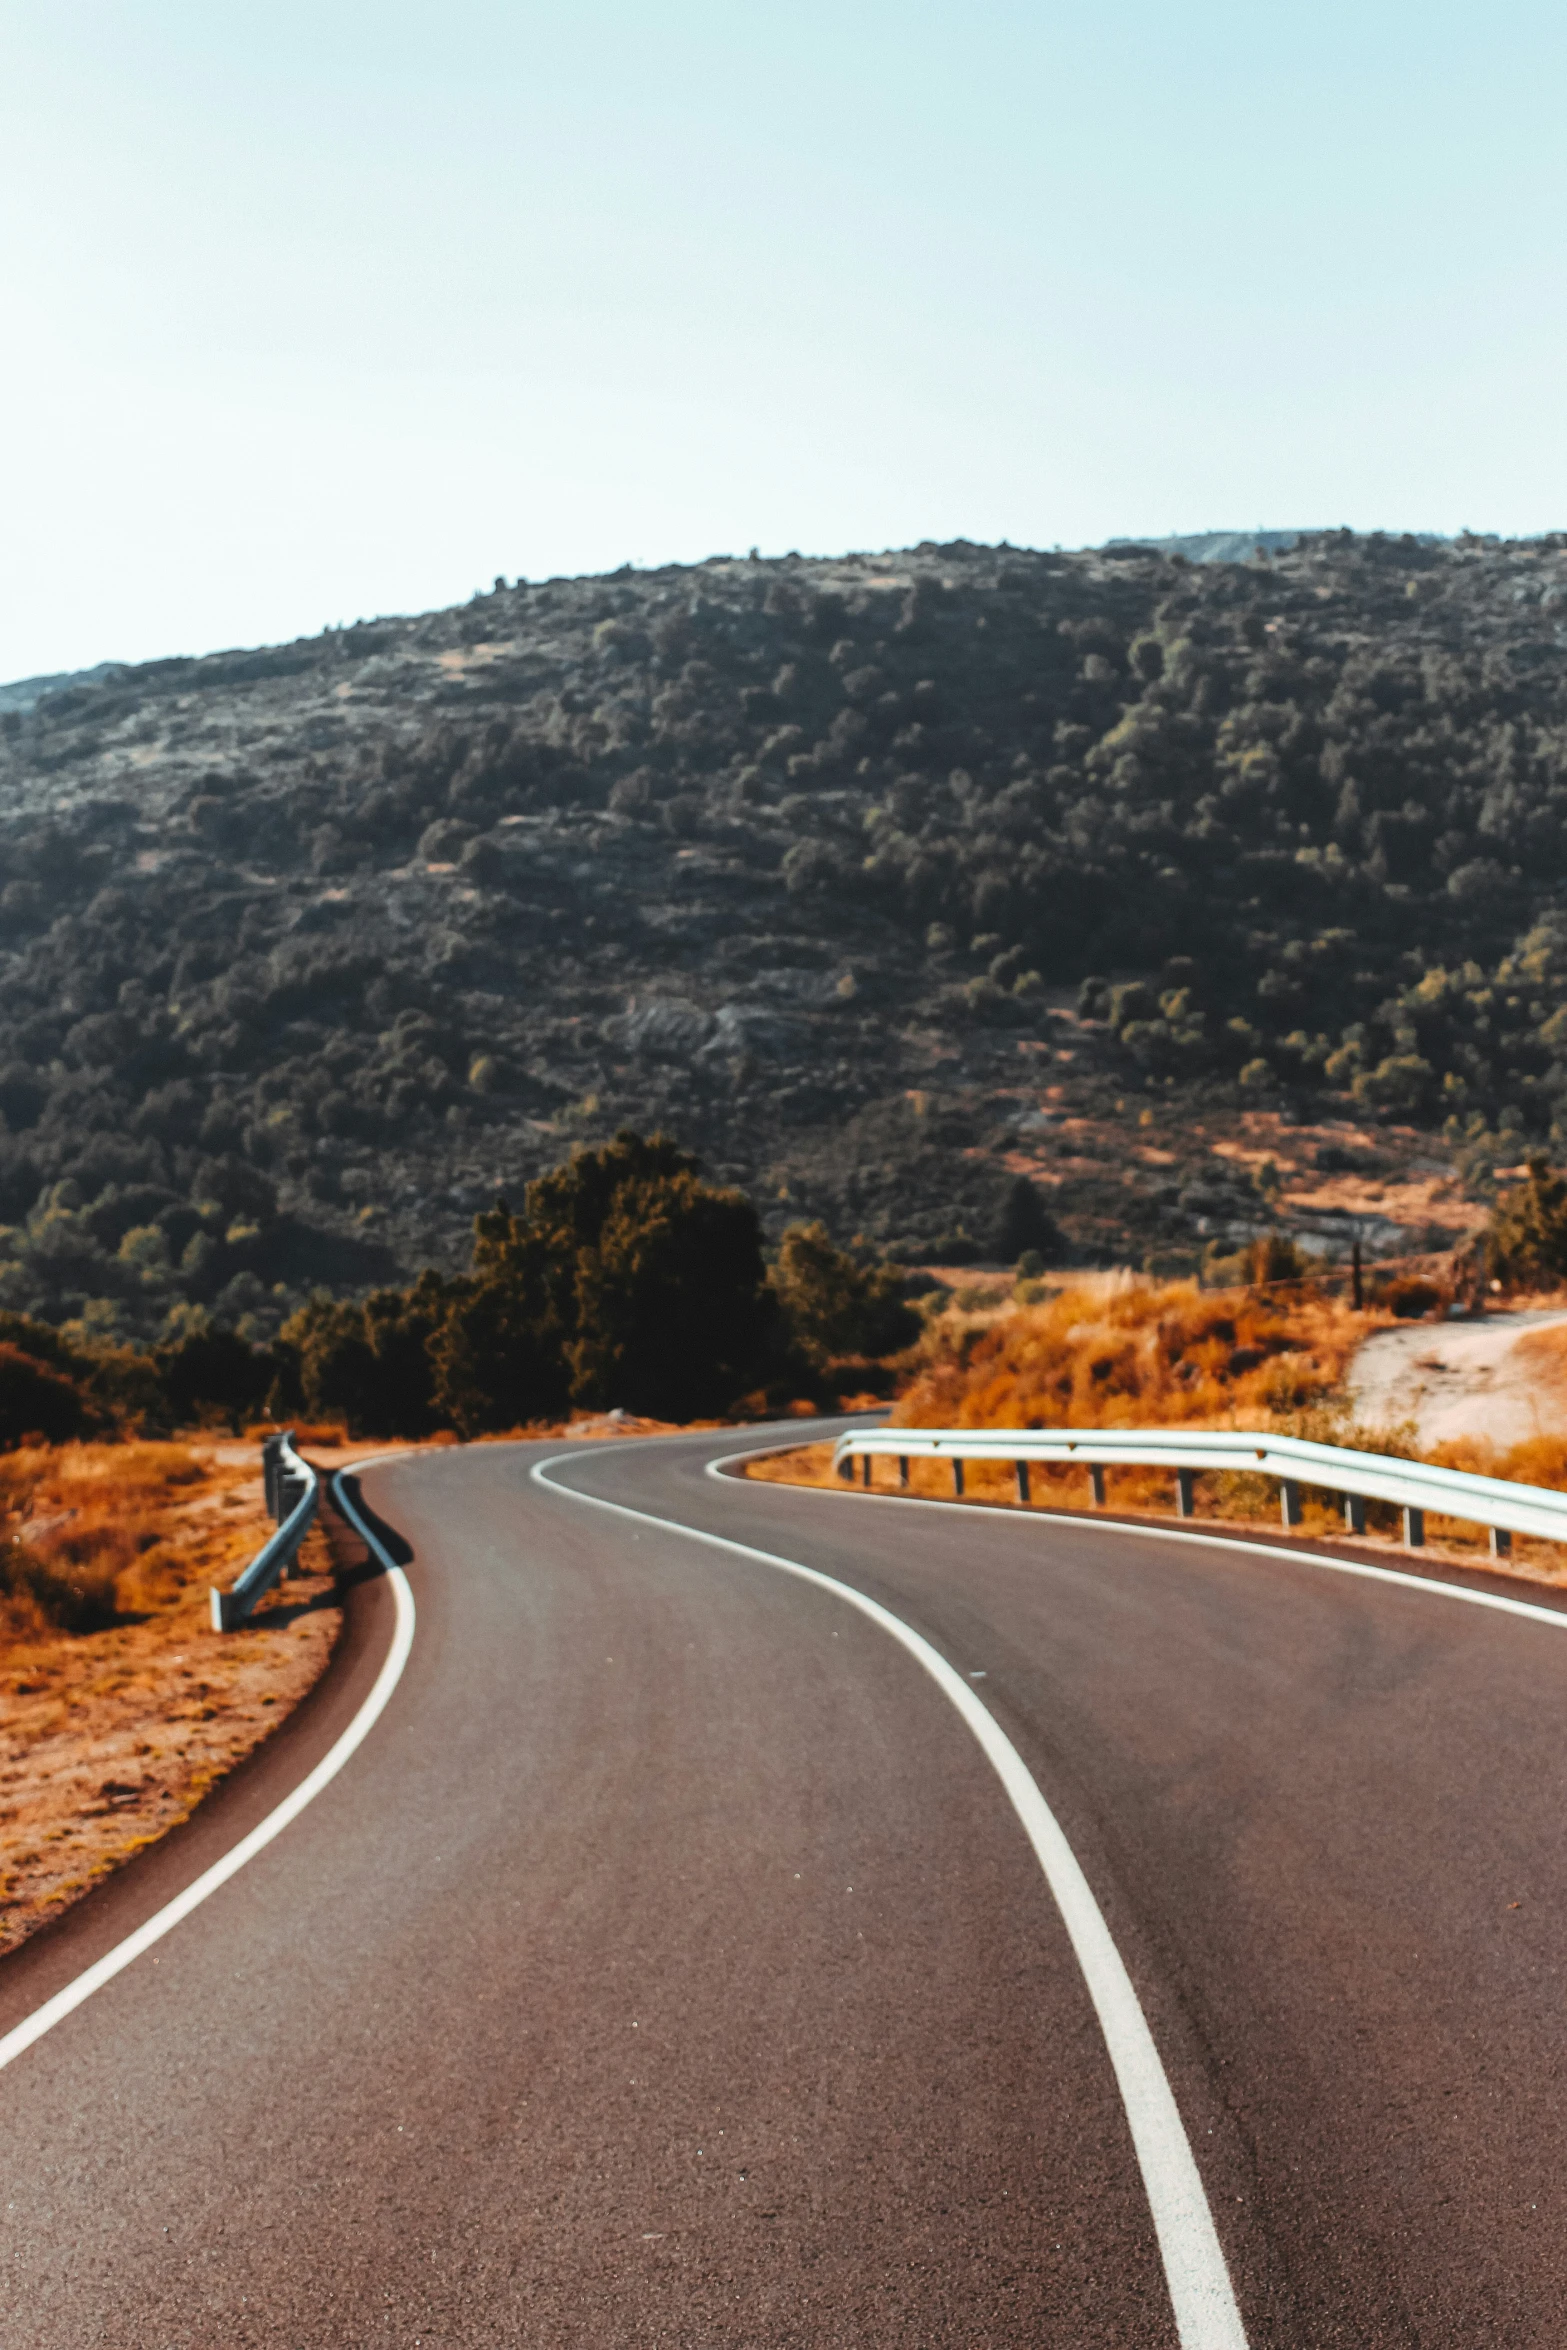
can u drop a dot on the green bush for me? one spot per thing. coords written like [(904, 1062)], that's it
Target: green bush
[(835, 1307), (1527, 1237), (370, 1361), (625, 1280), (1025, 1227), (214, 1372), (37, 1400)]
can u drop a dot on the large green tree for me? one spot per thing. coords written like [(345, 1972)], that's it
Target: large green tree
[(625, 1280), (369, 1360), (835, 1307), (497, 1353)]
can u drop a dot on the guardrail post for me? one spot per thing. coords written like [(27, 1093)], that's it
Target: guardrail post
[(957, 1476), (903, 1471), (1501, 1543), (291, 1490), (1185, 1494), (1289, 1501), (1355, 1512), (1096, 1478), (1021, 1468), (270, 1479), (1414, 1528)]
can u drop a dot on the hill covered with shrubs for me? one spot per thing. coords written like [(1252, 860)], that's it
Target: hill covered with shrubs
[(880, 882)]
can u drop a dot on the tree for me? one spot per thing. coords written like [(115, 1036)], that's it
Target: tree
[(39, 1401), (625, 1280), (672, 1309), (1024, 1222), (216, 1369), (1527, 1237), (1273, 1257), (497, 1350), (400, 1325), (834, 1307), (370, 1360)]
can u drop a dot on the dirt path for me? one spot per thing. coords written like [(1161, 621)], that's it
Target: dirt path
[(1501, 1380)]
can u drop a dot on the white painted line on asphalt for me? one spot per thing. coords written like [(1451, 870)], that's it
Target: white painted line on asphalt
[(115, 1961), (1429, 1584), (1206, 2315)]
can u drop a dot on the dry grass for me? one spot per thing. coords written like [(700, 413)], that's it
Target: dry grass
[(1538, 1460), (112, 1733), (1114, 1351)]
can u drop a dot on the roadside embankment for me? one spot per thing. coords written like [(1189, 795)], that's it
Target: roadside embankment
[(1239, 1504), (119, 1707), (1117, 1352)]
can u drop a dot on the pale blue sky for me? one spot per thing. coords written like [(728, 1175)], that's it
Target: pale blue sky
[(314, 312)]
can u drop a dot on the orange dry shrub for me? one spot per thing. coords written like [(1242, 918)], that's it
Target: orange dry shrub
[(82, 1531), (1538, 1460), (1123, 1354)]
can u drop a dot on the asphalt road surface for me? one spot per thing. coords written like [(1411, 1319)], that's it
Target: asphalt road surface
[(669, 1966)]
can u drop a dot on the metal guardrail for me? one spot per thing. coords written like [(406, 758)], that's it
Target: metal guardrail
[(1353, 1478), (293, 1491)]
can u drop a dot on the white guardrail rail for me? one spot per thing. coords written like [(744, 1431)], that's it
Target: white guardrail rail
[(1352, 1478), (293, 1494)]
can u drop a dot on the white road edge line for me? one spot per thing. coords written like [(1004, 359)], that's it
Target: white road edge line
[(1429, 1584), (163, 1921), (1206, 2316)]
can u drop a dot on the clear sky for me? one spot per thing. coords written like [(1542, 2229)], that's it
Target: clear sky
[(314, 312)]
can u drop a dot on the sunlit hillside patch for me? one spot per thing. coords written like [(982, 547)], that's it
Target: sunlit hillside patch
[(1117, 1351)]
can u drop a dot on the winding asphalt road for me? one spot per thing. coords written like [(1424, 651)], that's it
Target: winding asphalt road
[(669, 1965)]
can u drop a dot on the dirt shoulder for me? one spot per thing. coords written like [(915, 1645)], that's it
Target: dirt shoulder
[(112, 1733)]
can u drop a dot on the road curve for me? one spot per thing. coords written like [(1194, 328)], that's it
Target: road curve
[(670, 1967)]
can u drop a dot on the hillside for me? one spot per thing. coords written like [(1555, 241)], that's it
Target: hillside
[(1206, 895)]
